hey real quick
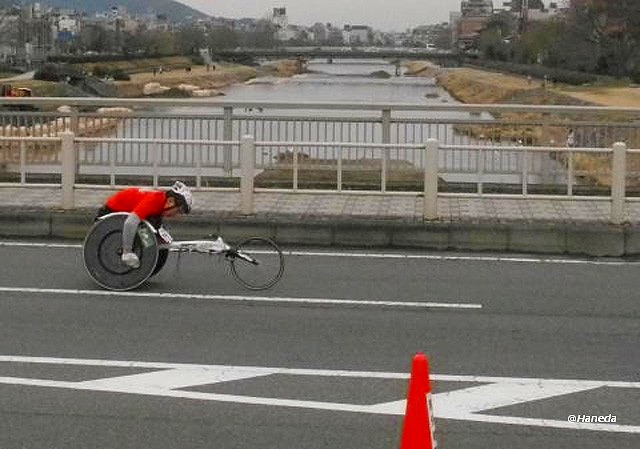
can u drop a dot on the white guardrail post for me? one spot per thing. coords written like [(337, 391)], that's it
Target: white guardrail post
[(68, 154), (227, 134), (386, 138), (618, 182), (430, 211), (247, 172)]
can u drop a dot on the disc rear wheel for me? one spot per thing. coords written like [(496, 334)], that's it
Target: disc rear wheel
[(102, 251), (256, 263)]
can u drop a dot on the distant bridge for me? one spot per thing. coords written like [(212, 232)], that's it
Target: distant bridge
[(335, 53)]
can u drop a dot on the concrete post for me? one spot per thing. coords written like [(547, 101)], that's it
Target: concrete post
[(23, 162), (618, 182), (227, 134), (294, 162), (430, 211), (75, 128), (68, 152), (386, 126), (247, 171), (74, 119)]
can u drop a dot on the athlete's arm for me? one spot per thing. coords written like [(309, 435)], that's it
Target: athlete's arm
[(129, 232), (151, 205)]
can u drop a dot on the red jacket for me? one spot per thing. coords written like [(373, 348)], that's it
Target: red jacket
[(144, 203)]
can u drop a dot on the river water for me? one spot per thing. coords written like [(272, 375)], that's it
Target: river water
[(343, 81)]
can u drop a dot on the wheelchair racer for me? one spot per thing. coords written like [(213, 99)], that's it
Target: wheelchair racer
[(145, 204)]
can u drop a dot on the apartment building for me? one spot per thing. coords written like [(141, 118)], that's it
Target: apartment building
[(473, 18), (356, 35)]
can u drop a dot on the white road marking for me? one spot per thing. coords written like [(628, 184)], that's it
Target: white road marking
[(39, 245), (470, 258), (495, 395), (463, 404), (239, 298), (172, 379), (381, 255)]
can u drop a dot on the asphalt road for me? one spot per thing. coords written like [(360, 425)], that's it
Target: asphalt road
[(192, 360)]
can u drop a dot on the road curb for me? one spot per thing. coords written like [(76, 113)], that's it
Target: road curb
[(589, 239)]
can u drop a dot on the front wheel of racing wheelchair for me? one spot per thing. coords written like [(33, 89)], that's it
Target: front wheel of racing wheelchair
[(102, 251)]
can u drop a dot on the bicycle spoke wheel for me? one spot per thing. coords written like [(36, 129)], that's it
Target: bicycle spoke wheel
[(256, 263)]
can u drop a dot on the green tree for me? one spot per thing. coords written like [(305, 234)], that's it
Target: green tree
[(493, 46), (495, 39), (97, 38), (223, 38), (189, 39), (620, 35), (612, 29), (157, 42), (535, 46), (263, 37)]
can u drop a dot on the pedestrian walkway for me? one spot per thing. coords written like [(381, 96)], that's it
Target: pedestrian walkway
[(345, 206), (525, 224)]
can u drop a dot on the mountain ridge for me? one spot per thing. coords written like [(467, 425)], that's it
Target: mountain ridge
[(173, 10)]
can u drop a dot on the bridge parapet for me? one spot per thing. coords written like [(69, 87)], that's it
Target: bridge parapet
[(482, 149), (332, 53)]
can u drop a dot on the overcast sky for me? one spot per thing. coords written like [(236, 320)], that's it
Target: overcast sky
[(385, 15)]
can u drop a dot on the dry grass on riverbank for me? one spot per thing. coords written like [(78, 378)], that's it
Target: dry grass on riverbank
[(216, 77), (481, 87), (485, 87), (139, 65), (221, 76), (283, 68), (422, 69), (607, 96), (476, 86), (357, 174)]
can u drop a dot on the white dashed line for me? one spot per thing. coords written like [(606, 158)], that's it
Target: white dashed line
[(383, 255), (247, 299)]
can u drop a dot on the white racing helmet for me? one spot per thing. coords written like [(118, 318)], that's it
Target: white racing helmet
[(183, 194)]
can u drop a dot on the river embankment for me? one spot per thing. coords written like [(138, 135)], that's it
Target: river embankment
[(198, 81), (174, 76), (476, 86)]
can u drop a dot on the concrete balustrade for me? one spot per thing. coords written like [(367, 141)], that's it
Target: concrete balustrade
[(383, 135), (248, 148), (247, 169), (618, 182)]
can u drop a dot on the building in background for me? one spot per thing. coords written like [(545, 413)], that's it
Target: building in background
[(280, 22), (9, 19), (356, 35), (473, 18), (319, 33), (476, 8), (432, 36), (36, 35)]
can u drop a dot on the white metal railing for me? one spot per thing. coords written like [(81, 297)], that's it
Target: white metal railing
[(249, 149), (196, 163), (171, 137), (525, 160)]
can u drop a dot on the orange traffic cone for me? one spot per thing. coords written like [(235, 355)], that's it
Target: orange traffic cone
[(418, 427)]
